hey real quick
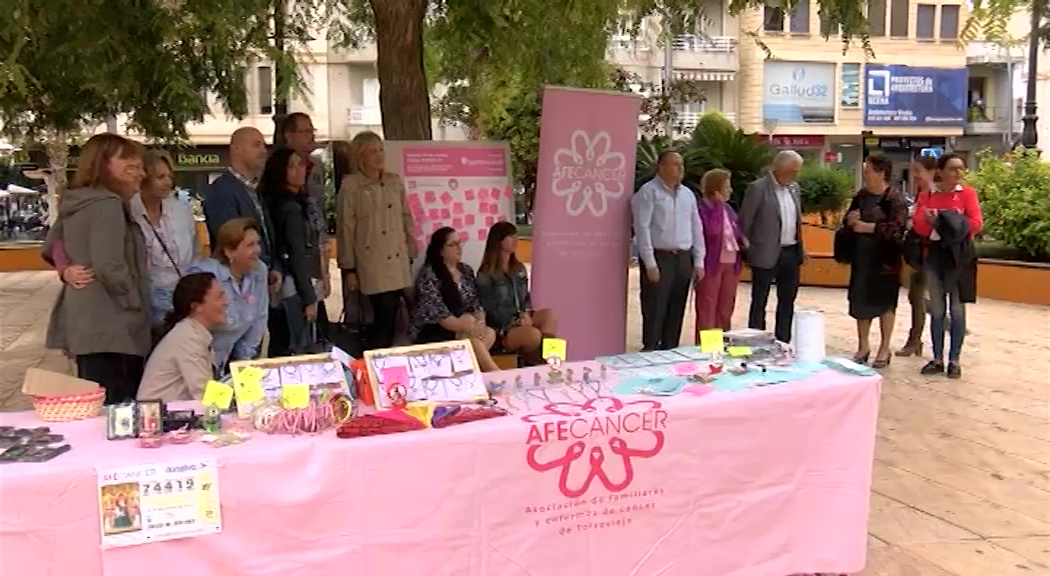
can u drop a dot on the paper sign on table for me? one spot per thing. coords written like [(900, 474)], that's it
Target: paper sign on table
[(217, 394), (712, 341), (295, 396), (156, 502), (554, 347), (738, 351), (247, 384)]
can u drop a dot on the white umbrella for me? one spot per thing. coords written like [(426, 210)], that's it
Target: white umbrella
[(16, 189)]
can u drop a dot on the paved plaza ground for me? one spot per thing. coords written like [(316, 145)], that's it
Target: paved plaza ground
[(962, 475)]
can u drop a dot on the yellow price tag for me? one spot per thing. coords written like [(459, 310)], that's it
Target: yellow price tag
[(738, 351), (247, 385), (712, 341), (217, 394), (554, 347), (295, 396)]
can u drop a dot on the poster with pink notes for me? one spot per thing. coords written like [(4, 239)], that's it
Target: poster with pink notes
[(463, 184)]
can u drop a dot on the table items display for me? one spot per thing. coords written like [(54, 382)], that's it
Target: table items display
[(292, 380), (30, 444), (438, 372)]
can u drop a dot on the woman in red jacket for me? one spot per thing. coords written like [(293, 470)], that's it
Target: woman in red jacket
[(949, 289)]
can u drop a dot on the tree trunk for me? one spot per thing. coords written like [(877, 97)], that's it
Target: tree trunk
[(404, 98), (56, 144)]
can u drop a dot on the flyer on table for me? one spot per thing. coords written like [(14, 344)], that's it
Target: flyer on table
[(155, 502)]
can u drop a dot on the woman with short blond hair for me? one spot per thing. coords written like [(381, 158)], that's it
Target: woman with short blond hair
[(716, 292), (375, 237), (104, 324)]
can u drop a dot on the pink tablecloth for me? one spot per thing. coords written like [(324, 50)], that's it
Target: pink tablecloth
[(766, 482)]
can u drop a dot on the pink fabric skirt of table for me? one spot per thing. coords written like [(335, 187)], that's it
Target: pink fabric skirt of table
[(767, 482)]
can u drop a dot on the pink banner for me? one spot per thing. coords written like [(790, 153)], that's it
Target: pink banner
[(581, 235)]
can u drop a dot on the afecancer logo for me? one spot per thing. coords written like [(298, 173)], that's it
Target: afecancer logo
[(599, 441)]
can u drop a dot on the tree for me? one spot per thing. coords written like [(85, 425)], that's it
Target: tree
[(69, 67)]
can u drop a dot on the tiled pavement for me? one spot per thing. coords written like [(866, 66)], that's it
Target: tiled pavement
[(962, 476)]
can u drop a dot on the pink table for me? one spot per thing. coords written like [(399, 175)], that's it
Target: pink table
[(767, 482)]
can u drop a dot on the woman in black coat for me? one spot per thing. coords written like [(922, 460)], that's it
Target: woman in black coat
[(297, 246)]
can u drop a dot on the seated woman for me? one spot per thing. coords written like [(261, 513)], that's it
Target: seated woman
[(243, 277), (503, 288), (180, 365), (447, 305)]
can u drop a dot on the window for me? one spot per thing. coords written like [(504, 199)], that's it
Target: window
[(265, 89), (800, 18), (877, 17), (826, 28), (924, 17), (949, 22), (899, 18), (850, 96), (773, 19)]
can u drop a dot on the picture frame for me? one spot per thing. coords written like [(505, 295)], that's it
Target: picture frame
[(431, 368), (329, 376), (121, 421), (149, 416)]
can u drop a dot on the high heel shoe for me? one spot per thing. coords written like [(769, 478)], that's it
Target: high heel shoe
[(910, 349), (861, 358), (881, 362)]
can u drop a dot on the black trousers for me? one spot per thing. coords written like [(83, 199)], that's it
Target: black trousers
[(119, 374), (663, 302), (384, 318), (785, 273)]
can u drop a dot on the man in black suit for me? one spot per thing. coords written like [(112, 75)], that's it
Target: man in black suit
[(232, 195)]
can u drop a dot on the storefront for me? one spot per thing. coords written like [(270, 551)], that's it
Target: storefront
[(901, 150), (196, 167), (811, 148)]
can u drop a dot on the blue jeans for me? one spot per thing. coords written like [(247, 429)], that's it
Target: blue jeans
[(945, 303)]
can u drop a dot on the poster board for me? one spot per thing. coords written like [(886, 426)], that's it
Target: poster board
[(321, 372), (465, 185), (438, 372)]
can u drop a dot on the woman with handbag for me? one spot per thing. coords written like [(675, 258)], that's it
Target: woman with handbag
[(923, 169), (877, 217)]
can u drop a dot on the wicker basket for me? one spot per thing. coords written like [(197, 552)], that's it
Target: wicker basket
[(69, 408)]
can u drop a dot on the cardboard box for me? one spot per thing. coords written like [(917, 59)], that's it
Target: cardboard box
[(43, 383)]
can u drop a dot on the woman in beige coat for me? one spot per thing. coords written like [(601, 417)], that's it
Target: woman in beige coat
[(374, 235), (104, 324)]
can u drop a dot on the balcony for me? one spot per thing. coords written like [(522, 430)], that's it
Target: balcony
[(626, 51), (990, 53), (364, 116), (992, 122), (706, 53)]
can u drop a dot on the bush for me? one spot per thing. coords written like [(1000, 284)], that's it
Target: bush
[(1015, 200), (824, 189)]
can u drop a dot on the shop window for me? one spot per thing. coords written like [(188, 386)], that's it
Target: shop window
[(773, 19), (850, 96), (800, 18)]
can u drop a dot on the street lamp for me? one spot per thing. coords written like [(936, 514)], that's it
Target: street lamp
[(280, 105), (1029, 136)]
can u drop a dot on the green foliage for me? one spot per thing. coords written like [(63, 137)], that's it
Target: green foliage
[(824, 189), (716, 143), (69, 66), (519, 126), (1014, 199)]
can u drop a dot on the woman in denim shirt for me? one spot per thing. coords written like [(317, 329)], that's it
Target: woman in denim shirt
[(503, 287), (243, 277)]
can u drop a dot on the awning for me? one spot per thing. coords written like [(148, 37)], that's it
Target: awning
[(704, 75)]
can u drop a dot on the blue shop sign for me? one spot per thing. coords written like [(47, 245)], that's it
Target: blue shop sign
[(897, 95)]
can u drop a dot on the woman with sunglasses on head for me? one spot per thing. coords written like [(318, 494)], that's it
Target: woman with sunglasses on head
[(181, 365), (947, 219), (447, 306), (503, 288)]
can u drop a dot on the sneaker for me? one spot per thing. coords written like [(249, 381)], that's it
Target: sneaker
[(954, 370), (932, 367)]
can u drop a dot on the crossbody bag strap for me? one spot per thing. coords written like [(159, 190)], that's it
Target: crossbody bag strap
[(164, 247)]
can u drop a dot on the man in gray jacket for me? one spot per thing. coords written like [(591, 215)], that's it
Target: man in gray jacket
[(771, 220)]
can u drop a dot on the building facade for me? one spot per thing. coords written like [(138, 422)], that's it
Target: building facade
[(843, 106)]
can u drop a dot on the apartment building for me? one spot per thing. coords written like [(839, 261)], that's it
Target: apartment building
[(709, 56), (838, 108)]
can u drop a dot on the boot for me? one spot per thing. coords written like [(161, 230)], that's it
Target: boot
[(911, 348)]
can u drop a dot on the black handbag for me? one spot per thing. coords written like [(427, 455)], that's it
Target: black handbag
[(845, 245), (913, 244)]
